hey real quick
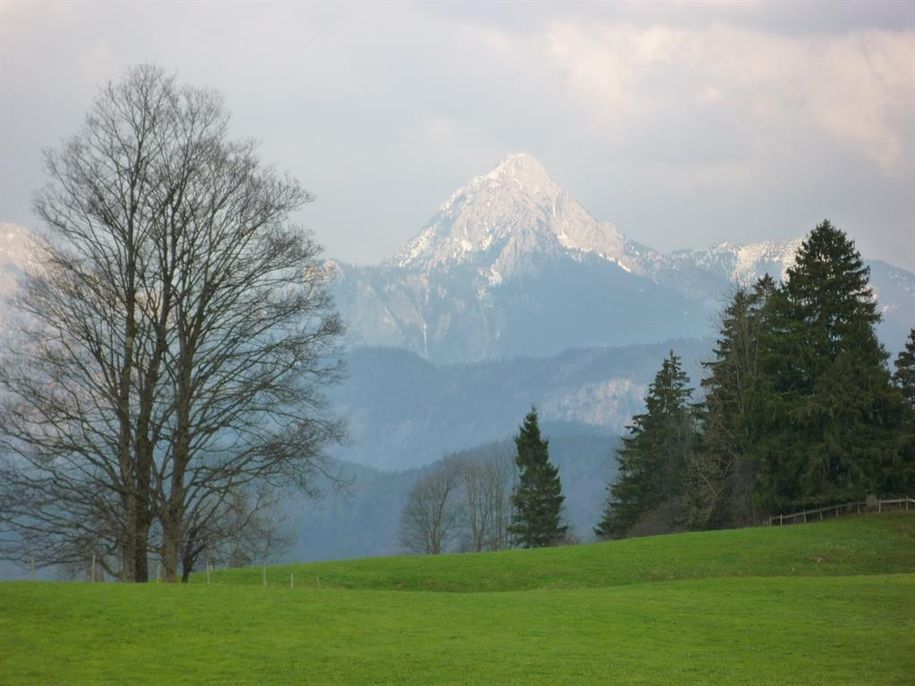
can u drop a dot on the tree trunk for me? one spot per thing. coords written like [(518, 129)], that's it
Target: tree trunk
[(141, 556), (129, 540), (169, 552)]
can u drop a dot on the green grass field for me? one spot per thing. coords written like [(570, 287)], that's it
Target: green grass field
[(829, 603)]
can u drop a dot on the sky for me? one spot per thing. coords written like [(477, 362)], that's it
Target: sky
[(685, 123)]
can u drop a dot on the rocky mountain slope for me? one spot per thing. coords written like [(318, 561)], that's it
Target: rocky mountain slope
[(511, 264)]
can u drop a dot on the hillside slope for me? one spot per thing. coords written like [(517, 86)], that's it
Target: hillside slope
[(871, 544)]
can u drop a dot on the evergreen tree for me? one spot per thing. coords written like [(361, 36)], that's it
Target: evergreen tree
[(537, 498), (904, 482), (904, 377), (831, 414), (653, 458), (721, 475)]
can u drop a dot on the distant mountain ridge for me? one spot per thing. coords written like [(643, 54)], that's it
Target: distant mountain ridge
[(404, 411), (511, 264)]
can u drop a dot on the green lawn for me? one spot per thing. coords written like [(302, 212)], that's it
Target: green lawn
[(830, 603)]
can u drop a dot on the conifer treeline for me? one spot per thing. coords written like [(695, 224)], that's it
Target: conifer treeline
[(799, 408)]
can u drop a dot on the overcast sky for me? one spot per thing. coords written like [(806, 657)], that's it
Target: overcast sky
[(685, 124)]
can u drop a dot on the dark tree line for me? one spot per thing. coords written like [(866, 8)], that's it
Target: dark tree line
[(799, 408)]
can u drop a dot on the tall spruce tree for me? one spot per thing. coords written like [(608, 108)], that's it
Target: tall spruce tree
[(831, 414), (902, 482), (721, 473), (653, 458), (537, 498), (904, 377)]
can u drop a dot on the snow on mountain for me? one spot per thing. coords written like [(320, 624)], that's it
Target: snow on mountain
[(512, 264), (499, 220), (513, 211), (742, 264)]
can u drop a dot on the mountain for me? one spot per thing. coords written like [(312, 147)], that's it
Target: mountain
[(709, 274), (404, 411), (504, 218), (511, 264)]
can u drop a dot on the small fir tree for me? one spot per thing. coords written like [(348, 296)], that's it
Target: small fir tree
[(653, 457), (537, 498)]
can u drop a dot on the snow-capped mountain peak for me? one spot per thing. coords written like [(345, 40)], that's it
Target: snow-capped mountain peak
[(525, 172), (501, 217)]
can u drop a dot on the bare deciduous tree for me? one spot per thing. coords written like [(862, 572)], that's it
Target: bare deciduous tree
[(486, 485), (432, 515), (463, 499), (177, 336)]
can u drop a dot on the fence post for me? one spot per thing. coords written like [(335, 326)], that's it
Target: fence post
[(92, 571), (264, 569)]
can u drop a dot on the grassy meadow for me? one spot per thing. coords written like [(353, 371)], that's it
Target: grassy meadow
[(825, 603)]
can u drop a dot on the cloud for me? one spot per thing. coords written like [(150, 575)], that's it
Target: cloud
[(683, 123), (858, 88)]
